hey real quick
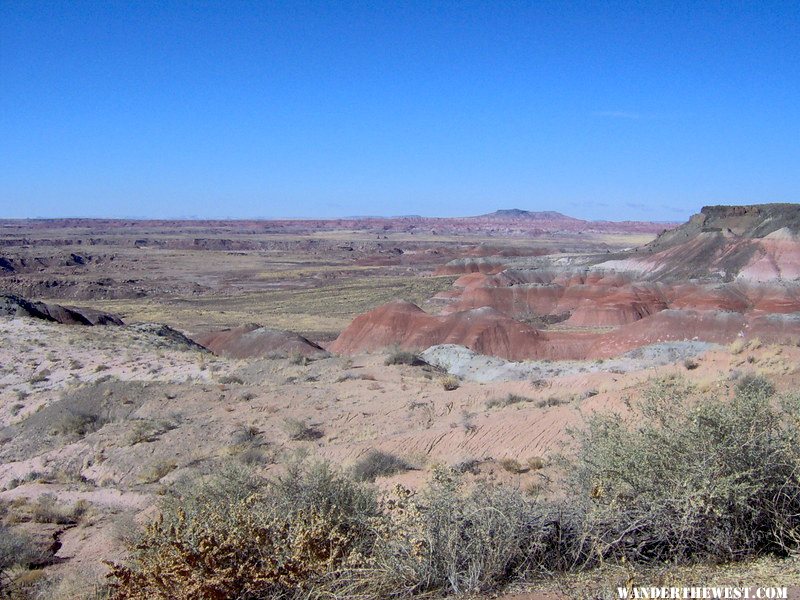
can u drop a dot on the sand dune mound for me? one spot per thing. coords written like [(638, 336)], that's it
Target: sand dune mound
[(253, 341), (68, 315), (484, 330)]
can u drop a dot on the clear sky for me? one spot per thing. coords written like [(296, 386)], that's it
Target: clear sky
[(614, 110)]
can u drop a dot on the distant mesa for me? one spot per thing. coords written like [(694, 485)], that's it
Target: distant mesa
[(15, 306), (516, 213), (255, 341), (757, 243)]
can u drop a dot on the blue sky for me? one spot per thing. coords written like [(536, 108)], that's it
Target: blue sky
[(612, 110)]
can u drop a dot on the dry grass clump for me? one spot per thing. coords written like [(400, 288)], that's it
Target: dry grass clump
[(403, 357), (376, 463), (157, 471), (507, 400), (737, 346), (47, 509), (18, 554), (298, 430), (451, 382), (148, 430)]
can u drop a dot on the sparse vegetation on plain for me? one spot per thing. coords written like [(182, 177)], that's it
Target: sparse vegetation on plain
[(88, 415), (733, 496)]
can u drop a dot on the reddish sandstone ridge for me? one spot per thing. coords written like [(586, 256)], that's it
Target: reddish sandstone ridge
[(484, 330), (487, 331), (601, 298), (253, 341), (729, 272)]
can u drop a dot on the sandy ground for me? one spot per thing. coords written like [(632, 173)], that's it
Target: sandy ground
[(166, 412)]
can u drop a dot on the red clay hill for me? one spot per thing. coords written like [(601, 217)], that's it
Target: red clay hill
[(730, 272)]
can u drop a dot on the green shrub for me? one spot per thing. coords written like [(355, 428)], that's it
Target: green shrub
[(686, 478), (453, 540)]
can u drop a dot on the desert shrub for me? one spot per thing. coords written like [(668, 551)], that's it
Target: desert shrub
[(18, 553), (512, 465), (450, 383), (403, 357), (684, 479), (16, 549), (77, 424), (47, 509), (157, 471), (690, 364), (148, 430), (296, 358), (376, 464), (228, 379), (298, 430), (247, 434), (535, 463), (448, 539), (232, 536), (755, 385), (737, 346)]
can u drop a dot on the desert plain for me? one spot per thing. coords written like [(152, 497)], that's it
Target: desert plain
[(137, 356)]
